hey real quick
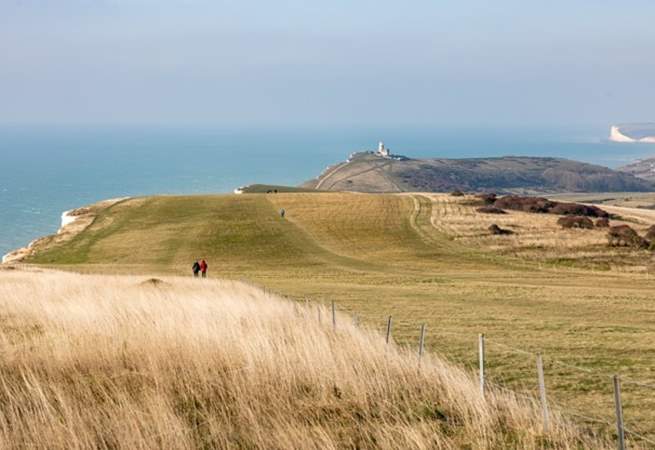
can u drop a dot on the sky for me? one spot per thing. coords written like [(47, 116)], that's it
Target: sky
[(302, 63)]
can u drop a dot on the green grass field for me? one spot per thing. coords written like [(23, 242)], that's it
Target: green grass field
[(380, 255)]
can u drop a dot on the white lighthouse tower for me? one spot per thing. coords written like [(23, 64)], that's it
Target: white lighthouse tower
[(382, 150)]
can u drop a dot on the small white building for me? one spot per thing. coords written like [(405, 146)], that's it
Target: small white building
[(383, 151)]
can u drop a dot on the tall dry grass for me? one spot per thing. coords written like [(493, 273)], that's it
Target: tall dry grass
[(108, 362), (538, 237)]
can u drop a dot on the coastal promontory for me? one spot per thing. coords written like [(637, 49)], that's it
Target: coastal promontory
[(375, 172)]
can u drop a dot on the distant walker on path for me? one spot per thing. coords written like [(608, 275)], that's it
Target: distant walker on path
[(203, 268), (196, 269)]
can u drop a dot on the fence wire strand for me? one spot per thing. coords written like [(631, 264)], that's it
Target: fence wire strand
[(572, 413), (624, 380), (590, 372), (639, 436), (557, 408), (637, 383), (513, 349)]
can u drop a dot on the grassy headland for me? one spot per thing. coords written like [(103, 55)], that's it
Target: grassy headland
[(370, 172), (423, 259)]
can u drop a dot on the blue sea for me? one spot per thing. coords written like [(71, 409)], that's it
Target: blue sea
[(47, 170)]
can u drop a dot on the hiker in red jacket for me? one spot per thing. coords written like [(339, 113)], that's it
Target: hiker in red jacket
[(203, 268)]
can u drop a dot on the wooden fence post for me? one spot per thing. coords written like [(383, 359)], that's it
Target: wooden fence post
[(620, 430), (481, 357), (334, 316), (542, 391), (421, 343), (389, 323)]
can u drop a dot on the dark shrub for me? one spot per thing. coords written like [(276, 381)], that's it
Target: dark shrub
[(543, 205), (487, 198), (623, 235), (576, 209), (575, 222), (526, 204), (496, 230), (490, 210), (457, 194), (603, 222)]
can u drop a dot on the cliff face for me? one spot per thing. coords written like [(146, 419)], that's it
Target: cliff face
[(617, 136), (368, 173), (635, 132)]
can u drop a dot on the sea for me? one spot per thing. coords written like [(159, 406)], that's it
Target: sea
[(45, 170)]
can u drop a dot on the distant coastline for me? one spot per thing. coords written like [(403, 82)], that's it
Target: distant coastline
[(189, 162), (19, 254), (633, 133), (72, 222)]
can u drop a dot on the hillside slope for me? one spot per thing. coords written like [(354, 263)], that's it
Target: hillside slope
[(644, 169), (424, 259), (246, 233), (366, 172), (116, 362)]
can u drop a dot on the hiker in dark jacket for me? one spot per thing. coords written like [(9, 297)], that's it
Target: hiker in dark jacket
[(203, 268), (196, 269)]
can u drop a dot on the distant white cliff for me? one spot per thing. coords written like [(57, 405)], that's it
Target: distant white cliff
[(634, 132)]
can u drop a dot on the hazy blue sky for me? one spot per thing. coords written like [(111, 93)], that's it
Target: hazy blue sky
[(333, 63)]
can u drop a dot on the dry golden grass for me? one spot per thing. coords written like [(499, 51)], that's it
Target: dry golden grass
[(538, 237), (378, 255), (623, 199), (113, 362)]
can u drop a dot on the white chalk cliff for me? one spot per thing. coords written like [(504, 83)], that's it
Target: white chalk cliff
[(643, 133)]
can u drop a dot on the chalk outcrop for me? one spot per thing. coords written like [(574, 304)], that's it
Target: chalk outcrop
[(633, 133)]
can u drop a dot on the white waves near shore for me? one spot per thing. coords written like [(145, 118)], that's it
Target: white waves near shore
[(17, 254)]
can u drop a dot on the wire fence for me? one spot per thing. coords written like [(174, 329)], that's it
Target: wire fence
[(605, 377), (611, 380)]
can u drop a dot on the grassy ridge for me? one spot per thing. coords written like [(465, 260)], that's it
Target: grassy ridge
[(236, 233), (419, 258), (171, 232)]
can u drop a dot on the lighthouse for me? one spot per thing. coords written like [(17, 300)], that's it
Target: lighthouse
[(382, 150)]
